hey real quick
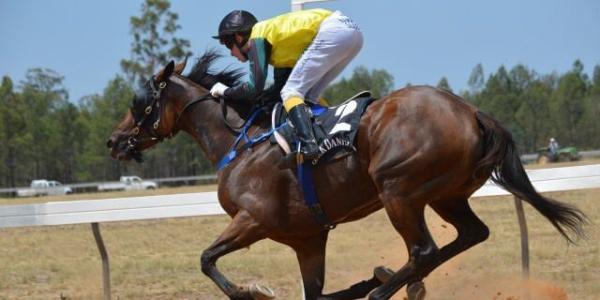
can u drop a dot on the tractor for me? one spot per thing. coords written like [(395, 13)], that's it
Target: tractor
[(563, 154)]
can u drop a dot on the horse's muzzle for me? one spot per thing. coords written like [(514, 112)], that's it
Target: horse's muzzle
[(124, 148)]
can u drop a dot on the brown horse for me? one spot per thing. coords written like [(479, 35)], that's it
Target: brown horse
[(417, 146)]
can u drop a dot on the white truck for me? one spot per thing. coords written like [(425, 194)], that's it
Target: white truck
[(128, 183), (43, 187)]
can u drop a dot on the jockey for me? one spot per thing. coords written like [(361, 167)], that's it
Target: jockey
[(553, 146), (307, 50)]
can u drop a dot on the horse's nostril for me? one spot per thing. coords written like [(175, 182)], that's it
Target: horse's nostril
[(109, 143)]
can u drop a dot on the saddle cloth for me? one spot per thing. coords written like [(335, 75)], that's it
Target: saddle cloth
[(335, 127)]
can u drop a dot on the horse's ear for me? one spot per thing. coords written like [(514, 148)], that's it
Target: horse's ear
[(166, 72), (180, 66)]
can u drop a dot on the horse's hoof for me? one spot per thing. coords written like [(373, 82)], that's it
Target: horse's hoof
[(382, 273), (259, 292), (416, 291)]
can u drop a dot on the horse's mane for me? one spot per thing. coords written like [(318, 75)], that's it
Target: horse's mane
[(203, 75)]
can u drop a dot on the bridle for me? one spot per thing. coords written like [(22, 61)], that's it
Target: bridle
[(154, 105), (153, 108)]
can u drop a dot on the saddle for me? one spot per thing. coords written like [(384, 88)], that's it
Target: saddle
[(334, 127)]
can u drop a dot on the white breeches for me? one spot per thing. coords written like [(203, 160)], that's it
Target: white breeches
[(337, 42)]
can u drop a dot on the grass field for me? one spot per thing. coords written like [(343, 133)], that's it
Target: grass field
[(159, 259)]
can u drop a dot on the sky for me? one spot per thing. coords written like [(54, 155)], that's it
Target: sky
[(416, 41)]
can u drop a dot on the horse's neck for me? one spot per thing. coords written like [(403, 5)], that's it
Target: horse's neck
[(204, 122)]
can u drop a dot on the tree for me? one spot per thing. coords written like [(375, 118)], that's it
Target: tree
[(521, 77), (476, 79), (154, 44), (12, 132), (495, 97), (533, 115), (567, 103), (444, 85), (154, 41), (595, 88), (70, 138), (500, 99), (43, 93), (378, 81), (529, 104), (589, 125), (99, 114)]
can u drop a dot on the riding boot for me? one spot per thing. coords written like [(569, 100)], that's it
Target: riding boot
[(299, 115)]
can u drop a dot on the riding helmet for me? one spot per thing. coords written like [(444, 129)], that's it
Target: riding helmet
[(237, 21)]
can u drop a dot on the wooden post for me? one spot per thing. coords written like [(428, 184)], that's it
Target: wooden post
[(524, 237), (105, 263)]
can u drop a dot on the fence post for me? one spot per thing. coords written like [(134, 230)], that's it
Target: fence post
[(524, 237), (105, 263)]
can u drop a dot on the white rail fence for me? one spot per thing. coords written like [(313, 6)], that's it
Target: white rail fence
[(202, 204), (187, 180), (110, 210)]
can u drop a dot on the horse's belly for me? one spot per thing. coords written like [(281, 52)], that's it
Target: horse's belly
[(345, 189)]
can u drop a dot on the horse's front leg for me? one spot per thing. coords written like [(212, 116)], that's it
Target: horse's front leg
[(241, 232)]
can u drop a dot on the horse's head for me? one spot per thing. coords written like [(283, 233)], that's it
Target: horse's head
[(160, 103), (152, 116)]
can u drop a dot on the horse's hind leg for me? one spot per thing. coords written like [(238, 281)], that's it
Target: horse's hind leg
[(407, 217), (241, 232), (471, 231)]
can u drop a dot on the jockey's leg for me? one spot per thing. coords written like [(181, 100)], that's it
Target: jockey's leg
[(299, 115), (336, 43), (350, 48)]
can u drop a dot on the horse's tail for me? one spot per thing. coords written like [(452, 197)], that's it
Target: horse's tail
[(500, 156)]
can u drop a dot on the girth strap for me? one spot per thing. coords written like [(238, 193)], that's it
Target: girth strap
[(304, 172)]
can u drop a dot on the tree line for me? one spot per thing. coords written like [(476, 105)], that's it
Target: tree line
[(536, 107), (533, 107), (45, 135)]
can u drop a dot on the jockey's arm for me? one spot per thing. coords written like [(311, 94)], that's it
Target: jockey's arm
[(280, 76), (259, 51)]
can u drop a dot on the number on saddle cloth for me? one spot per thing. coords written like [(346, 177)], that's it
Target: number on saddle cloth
[(335, 127)]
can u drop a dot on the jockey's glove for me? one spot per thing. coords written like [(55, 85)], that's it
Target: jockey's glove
[(218, 90)]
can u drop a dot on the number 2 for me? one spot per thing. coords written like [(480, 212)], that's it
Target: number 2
[(343, 111)]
